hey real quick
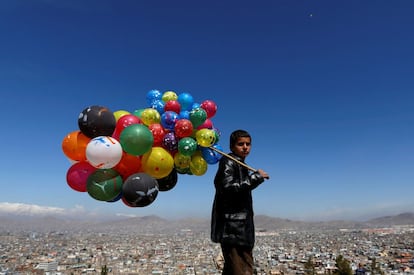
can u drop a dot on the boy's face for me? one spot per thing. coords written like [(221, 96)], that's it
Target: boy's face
[(242, 147)]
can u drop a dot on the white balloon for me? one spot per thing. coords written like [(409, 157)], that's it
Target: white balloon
[(104, 152)]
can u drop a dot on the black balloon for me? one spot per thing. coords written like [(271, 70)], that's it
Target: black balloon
[(168, 182), (139, 190), (96, 121)]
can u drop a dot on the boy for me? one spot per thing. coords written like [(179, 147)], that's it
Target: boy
[(232, 222)]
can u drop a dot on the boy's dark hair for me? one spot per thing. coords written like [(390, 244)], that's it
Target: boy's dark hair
[(238, 134)]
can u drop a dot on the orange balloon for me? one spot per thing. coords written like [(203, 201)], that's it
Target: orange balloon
[(74, 145), (128, 165)]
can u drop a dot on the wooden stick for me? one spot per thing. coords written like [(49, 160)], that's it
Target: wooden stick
[(232, 158)]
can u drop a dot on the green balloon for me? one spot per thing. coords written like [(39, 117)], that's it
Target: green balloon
[(138, 112), (181, 161), (216, 135), (136, 139), (197, 117), (184, 171), (104, 184), (187, 146)]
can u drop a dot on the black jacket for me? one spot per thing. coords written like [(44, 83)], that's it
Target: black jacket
[(232, 214)]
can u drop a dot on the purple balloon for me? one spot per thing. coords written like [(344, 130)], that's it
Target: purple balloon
[(170, 142)]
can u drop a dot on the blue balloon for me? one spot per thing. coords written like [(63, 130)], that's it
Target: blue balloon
[(117, 198), (186, 101), (158, 105), (195, 106), (211, 156), (152, 96), (185, 114), (168, 120)]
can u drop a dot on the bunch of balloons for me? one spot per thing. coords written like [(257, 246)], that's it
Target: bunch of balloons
[(131, 156)]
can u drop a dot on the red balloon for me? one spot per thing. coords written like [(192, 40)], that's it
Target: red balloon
[(183, 128), (126, 120), (116, 135), (123, 122), (158, 132), (77, 175), (210, 107), (126, 202), (208, 124), (172, 105)]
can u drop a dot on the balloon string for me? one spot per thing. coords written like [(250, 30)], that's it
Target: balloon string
[(232, 158)]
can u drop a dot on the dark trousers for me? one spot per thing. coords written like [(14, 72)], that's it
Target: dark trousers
[(238, 260)]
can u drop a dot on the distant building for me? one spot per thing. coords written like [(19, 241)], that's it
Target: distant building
[(48, 266)]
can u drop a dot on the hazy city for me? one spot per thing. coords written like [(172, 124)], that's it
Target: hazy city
[(152, 245)]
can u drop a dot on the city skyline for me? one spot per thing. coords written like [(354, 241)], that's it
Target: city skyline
[(325, 89)]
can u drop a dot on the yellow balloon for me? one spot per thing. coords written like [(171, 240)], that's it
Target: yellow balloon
[(119, 113), (150, 116), (181, 161), (198, 165), (169, 95), (157, 162), (205, 137)]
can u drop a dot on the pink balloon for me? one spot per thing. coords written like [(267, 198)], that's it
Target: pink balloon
[(77, 175)]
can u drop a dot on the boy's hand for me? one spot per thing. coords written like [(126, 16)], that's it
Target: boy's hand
[(263, 174)]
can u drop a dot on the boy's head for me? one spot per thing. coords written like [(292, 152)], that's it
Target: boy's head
[(240, 143)]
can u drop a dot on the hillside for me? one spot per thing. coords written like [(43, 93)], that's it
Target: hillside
[(157, 225)]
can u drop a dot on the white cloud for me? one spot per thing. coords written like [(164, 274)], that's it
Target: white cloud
[(34, 210), (29, 209), (23, 209), (126, 215)]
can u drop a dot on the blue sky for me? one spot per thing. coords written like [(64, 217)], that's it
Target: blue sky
[(324, 87)]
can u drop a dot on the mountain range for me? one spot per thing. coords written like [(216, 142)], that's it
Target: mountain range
[(157, 225)]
